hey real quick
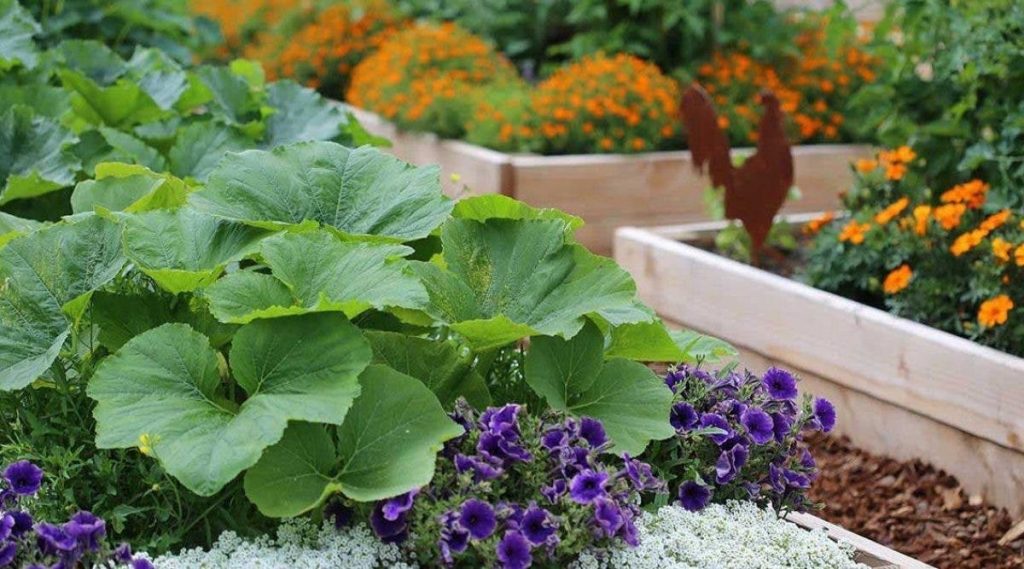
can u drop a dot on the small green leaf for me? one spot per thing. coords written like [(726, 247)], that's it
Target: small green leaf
[(16, 30), (128, 188), (497, 206), (35, 154), (701, 348)]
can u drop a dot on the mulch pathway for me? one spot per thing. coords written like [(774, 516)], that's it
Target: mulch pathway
[(913, 508)]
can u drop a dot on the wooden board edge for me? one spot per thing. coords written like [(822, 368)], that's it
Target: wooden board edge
[(862, 544)]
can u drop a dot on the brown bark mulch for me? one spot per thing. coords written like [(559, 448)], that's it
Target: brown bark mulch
[(913, 508)]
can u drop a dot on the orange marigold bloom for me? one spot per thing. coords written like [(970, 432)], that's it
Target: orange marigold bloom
[(901, 155), (890, 212), (970, 193), (897, 279), (995, 311), (1018, 255), (966, 242), (895, 172), (949, 215), (814, 226), (921, 215), (1001, 249), (854, 232), (866, 165), (995, 221)]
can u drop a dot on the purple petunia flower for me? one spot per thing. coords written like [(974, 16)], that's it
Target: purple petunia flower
[(514, 551), (554, 439), (806, 460), (395, 507), (6, 526), (628, 532), (683, 417), (592, 431), (23, 477), (781, 426), (123, 553), (454, 540), (729, 463), (555, 490), (640, 474), (796, 480), (693, 496), (481, 470), (7, 553), (607, 516), (87, 529), (141, 563), (588, 486), (780, 384), (389, 531), (676, 376), (53, 540), (825, 414), (758, 424), (477, 517), (338, 513), (22, 523), (717, 421), (536, 525)]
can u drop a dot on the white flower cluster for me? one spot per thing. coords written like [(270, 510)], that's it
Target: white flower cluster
[(739, 535), (299, 544)]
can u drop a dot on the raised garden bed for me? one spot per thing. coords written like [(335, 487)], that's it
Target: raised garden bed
[(903, 389), (607, 190), (869, 553)]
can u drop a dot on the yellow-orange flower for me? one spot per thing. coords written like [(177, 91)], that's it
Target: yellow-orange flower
[(921, 215), (897, 279), (866, 165), (1001, 249), (966, 242), (971, 193), (995, 311), (854, 232), (1018, 255), (949, 215), (814, 226), (891, 211), (995, 221), (895, 172)]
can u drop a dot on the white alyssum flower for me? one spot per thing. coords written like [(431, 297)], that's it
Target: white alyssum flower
[(739, 535), (299, 544)]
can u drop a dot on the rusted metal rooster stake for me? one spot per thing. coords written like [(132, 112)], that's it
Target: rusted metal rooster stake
[(755, 191)]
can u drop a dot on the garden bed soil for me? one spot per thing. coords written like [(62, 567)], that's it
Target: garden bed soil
[(608, 190), (902, 389), (913, 508)]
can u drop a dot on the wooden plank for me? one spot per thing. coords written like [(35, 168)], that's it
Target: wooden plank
[(871, 553), (975, 392)]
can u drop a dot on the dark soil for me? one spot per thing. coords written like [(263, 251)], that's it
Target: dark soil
[(911, 507)]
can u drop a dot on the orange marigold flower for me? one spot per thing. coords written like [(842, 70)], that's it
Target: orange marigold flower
[(890, 212), (902, 155), (995, 311), (854, 232), (966, 242), (1001, 249), (895, 172), (898, 279), (949, 215), (995, 221), (921, 214), (970, 193), (1018, 255), (814, 226), (866, 165)]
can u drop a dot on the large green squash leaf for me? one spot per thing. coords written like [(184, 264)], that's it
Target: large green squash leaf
[(45, 100), (183, 249), (345, 276), (120, 105), (443, 366), (35, 155), (16, 30), (387, 446), (12, 226), (360, 192), (162, 390), (129, 188), (201, 146), (300, 115), (509, 278), (47, 277), (631, 402), (158, 76)]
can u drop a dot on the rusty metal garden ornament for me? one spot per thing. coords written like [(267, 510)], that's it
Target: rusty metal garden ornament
[(754, 192)]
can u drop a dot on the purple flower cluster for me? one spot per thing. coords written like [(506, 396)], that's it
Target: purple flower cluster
[(77, 542), (517, 489), (742, 436)]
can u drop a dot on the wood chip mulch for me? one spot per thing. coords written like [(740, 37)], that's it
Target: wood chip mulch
[(913, 508)]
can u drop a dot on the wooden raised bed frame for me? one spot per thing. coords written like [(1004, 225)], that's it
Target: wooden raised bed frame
[(607, 190), (901, 388), (869, 553)]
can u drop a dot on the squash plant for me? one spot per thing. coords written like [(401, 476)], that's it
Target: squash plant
[(66, 109), (307, 315)]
